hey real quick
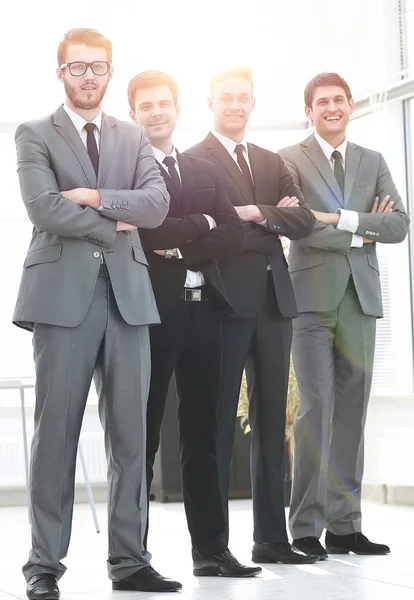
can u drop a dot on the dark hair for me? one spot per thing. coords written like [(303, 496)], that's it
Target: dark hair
[(323, 79), (149, 79), (87, 37), (240, 71)]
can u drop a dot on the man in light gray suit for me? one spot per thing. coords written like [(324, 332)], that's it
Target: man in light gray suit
[(336, 281), (88, 181)]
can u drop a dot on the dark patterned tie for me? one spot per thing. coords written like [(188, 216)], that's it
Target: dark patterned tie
[(339, 170), (244, 167), (91, 146)]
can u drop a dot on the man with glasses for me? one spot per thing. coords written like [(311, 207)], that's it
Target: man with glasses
[(88, 181)]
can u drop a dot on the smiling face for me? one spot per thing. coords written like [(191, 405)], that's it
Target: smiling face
[(84, 93), (154, 109), (231, 104), (330, 112)]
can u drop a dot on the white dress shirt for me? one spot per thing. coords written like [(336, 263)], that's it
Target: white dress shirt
[(230, 146), (79, 123), (193, 278), (349, 219)]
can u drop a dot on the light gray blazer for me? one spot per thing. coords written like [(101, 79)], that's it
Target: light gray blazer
[(320, 264), (62, 264)]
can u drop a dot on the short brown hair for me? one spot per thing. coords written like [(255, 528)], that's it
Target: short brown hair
[(323, 79), (150, 79), (87, 37), (240, 71)]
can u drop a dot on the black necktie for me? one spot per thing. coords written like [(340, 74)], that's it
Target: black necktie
[(244, 167), (339, 170), (169, 162), (91, 146)]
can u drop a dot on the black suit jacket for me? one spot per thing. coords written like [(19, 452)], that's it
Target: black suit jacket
[(245, 275), (186, 228)]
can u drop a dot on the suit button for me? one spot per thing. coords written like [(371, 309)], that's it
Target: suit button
[(127, 207), (97, 255)]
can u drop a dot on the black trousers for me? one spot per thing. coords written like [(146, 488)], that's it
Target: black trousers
[(189, 342), (261, 344)]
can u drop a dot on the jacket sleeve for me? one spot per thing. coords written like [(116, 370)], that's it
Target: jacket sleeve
[(146, 204), (293, 223), (174, 232), (227, 239), (388, 228), (47, 209)]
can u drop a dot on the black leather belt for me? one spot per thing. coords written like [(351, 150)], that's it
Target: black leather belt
[(194, 294)]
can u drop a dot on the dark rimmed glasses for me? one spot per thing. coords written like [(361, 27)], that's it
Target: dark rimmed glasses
[(78, 68)]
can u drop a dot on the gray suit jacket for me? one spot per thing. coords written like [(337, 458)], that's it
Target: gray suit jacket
[(62, 264), (321, 263)]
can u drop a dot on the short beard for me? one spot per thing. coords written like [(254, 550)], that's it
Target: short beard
[(86, 104)]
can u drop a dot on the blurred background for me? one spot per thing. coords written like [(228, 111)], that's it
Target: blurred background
[(370, 43)]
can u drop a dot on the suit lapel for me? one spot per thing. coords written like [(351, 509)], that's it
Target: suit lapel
[(217, 149), (187, 183), (67, 130), (352, 160), (314, 152), (108, 139)]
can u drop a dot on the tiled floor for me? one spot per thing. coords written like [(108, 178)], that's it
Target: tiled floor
[(342, 578)]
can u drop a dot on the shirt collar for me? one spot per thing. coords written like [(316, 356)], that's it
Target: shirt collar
[(327, 149), (160, 155), (229, 144), (79, 122)]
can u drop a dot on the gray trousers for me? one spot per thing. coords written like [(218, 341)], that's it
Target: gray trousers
[(333, 355), (66, 359)]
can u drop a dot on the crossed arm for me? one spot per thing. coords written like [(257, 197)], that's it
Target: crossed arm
[(74, 213)]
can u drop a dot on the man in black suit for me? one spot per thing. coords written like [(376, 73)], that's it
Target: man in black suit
[(201, 227), (259, 332)]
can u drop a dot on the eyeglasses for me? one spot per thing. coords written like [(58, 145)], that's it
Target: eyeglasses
[(99, 67)]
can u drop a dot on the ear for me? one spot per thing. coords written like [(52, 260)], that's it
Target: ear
[(132, 115), (59, 74), (178, 110), (308, 113), (253, 103), (210, 102), (110, 73), (351, 106)]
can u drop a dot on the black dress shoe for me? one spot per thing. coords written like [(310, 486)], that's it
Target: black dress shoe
[(311, 545), (146, 580), (354, 542), (43, 586), (280, 553), (223, 564)]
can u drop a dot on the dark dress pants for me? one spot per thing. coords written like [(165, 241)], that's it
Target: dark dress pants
[(262, 345), (189, 341)]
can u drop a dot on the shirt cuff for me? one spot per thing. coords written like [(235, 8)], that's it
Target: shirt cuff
[(263, 223), (357, 241), (348, 220), (211, 222), (179, 255)]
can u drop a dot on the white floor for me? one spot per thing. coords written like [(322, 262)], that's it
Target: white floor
[(342, 578)]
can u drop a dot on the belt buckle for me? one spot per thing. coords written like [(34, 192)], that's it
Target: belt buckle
[(191, 295)]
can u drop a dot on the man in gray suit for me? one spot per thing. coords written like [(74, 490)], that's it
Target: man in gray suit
[(336, 281), (88, 181)]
